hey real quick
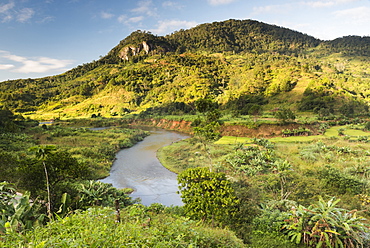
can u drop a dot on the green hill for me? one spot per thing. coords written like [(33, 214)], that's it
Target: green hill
[(240, 64)]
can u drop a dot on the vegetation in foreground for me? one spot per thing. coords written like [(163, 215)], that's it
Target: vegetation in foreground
[(312, 190), (139, 226), (281, 192)]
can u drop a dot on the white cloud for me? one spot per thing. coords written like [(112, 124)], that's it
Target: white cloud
[(354, 15), (106, 15), (171, 4), (122, 18), (33, 65), (10, 11), (145, 7), (6, 67), (25, 14), (272, 9), (5, 12), (326, 3), (135, 19), (47, 19), (6, 7), (126, 20), (171, 25), (220, 2)]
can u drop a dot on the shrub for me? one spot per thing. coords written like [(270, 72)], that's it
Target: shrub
[(325, 225), (341, 182), (140, 227), (367, 126), (320, 225), (208, 196), (17, 213)]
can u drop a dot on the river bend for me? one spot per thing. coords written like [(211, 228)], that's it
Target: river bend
[(138, 168)]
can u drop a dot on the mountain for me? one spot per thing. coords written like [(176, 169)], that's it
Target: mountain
[(246, 66), (240, 36)]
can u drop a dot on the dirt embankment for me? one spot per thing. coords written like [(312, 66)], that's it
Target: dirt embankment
[(182, 126), (173, 125), (262, 131)]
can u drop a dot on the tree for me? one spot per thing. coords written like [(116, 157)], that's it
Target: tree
[(285, 115), (56, 167), (7, 119), (206, 126), (208, 195), (41, 153)]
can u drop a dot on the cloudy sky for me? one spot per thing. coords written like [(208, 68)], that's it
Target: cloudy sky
[(47, 37)]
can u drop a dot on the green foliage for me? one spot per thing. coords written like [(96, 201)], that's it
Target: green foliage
[(320, 151), (61, 166), (272, 216), (207, 124), (241, 35), (246, 105), (325, 225), (17, 212), (341, 182), (296, 132), (285, 115), (349, 45), (276, 240), (252, 161), (208, 196), (241, 64), (367, 126), (7, 120), (95, 193), (320, 225), (140, 227), (172, 108), (8, 166)]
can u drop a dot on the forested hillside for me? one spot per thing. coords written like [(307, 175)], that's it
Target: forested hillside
[(228, 61)]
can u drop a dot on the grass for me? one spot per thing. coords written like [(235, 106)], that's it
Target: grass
[(139, 227), (331, 132), (230, 140), (190, 154), (96, 148), (355, 132)]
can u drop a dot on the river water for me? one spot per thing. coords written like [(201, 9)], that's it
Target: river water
[(138, 168)]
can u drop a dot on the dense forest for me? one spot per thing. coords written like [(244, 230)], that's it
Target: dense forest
[(279, 154)]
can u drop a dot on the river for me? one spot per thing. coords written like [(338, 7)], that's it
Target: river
[(138, 168)]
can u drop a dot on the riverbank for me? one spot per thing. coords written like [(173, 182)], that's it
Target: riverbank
[(138, 168), (96, 147)]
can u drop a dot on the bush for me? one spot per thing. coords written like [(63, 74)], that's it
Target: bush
[(325, 225), (320, 225), (341, 182), (367, 126), (139, 227)]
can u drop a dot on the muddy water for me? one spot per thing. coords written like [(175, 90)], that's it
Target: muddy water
[(138, 168)]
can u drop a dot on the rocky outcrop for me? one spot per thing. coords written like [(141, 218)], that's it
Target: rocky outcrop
[(128, 51), (146, 47)]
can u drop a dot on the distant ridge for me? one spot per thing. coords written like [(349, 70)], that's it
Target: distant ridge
[(242, 35)]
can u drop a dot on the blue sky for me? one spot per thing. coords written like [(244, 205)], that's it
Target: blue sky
[(47, 37)]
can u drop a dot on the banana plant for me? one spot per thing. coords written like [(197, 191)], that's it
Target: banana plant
[(17, 212), (326, 225)]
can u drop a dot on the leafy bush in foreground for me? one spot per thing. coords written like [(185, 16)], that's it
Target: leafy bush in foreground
[(17, 213), (140, 227), (320, 225)]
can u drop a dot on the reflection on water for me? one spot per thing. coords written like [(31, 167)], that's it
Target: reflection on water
[(138, 168)]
